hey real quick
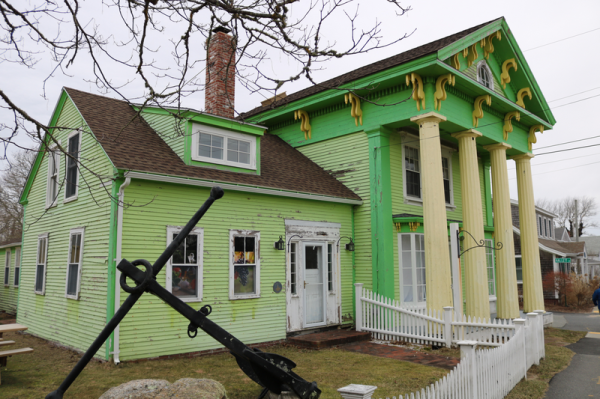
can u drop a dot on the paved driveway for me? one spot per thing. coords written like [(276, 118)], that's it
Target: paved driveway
[(582, 378)]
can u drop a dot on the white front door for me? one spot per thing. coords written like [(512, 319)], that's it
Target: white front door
[(314, 285)]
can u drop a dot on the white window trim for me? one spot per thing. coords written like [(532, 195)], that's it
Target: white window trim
[(74, 197), (6, 275), (295, 242), (79, 230), (199, 231), (17, 266), (335, 259), (446, 153), (49, 201), (490, 243), (43, 291), (197, 129), (232, 234), (520, 256), (483, 64), (414, 271)]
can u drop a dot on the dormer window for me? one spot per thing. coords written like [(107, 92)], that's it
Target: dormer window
[(484, 75), (218, 146)]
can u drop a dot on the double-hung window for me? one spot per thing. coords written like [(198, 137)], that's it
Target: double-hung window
[(184, 270), (7, 268), (519, 265), (244, 269), (17, 267), (53, 173), (223, 147), (74, 263), (40, 266), (484, 75), (71, 188), (491, 274), (412, 268), (412, 175)]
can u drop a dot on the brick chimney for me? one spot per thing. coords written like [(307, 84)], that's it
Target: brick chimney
[(220, 74)]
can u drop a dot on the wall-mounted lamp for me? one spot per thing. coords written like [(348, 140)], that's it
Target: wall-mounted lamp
[(279, 245), (288, 244), (349, 246)]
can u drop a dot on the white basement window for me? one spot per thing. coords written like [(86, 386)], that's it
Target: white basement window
[(244, 266), (74, 264), (40, 267), (184, 270), (223, 147)]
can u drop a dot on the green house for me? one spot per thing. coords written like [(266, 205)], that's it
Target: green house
[(352, 181)]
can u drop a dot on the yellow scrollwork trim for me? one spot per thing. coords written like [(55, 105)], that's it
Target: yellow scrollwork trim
[(477, 111), (355, 112), (440, 89), (473, 55), (489, 46), (418, 92), (532, 139), (521, 96), (304, 123), (505, 77), (508, 128), (456, 61), (413, 226)]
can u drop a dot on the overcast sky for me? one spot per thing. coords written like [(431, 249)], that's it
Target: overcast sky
[(565, 68)]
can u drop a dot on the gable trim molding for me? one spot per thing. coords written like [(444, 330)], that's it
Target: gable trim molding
[(234, 187)]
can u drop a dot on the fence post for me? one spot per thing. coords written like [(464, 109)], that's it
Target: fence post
[(541, 332), (448, 325), (520, 326), (467, 351), (356, 391), (532, 318), (358, 304)]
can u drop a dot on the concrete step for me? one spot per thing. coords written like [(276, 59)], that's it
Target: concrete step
[(327, 339)]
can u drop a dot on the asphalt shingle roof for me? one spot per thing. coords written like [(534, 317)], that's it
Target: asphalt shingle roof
[(132, 144)]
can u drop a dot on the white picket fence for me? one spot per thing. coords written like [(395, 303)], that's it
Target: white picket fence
[(492, 372), (387, 320)]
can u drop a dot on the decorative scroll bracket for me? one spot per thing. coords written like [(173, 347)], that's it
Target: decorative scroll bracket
[(489, 46), (532, 139), (505, 77), (477, 110), (355, 112), (418, 92), (508, 127), (521, 96), (304, 123), (478, 244), (440, 89)]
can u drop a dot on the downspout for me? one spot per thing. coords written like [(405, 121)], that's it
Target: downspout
[(353, 269), (118, 258)]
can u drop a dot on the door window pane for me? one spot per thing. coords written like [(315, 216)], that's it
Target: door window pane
[(293, 265)]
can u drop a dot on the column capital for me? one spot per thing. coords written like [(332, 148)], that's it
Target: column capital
[(467, 133), (523, 157), (428, 117), (377, 130), (497, 146)]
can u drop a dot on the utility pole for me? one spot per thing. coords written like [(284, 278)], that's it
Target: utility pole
[(576, 222)]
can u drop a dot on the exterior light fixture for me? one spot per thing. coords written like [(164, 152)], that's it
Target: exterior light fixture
[(349, 246), (280, 245)]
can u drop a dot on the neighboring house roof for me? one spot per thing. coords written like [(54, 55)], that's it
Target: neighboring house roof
[(367, 70), (131, 144), (592, 245), (537, 209), (561, 234), (573, 247), (9, 243), (560, 248)]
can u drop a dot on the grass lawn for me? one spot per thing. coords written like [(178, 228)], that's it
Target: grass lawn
[(37, 374), (557, 358)]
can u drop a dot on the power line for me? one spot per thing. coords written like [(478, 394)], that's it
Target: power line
[(581, 92), (567, 149), (561, 160), (560, 40), (559, 170), (567, 142)]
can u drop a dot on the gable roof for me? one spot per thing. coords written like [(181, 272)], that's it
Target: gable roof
[(367, 70), (131, 144), (592, 244)]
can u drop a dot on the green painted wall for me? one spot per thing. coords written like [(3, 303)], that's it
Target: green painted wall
[(52, 316), (154, 329), (169, 129), (347, 159), (8, 293)]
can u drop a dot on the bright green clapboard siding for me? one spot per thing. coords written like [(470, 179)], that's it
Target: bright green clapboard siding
[(153, 328), (347, 158), (52, 316), (8, 293), (168, 128)]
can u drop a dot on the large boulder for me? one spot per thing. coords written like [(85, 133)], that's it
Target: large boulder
[(185, 388), (137, 389)]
